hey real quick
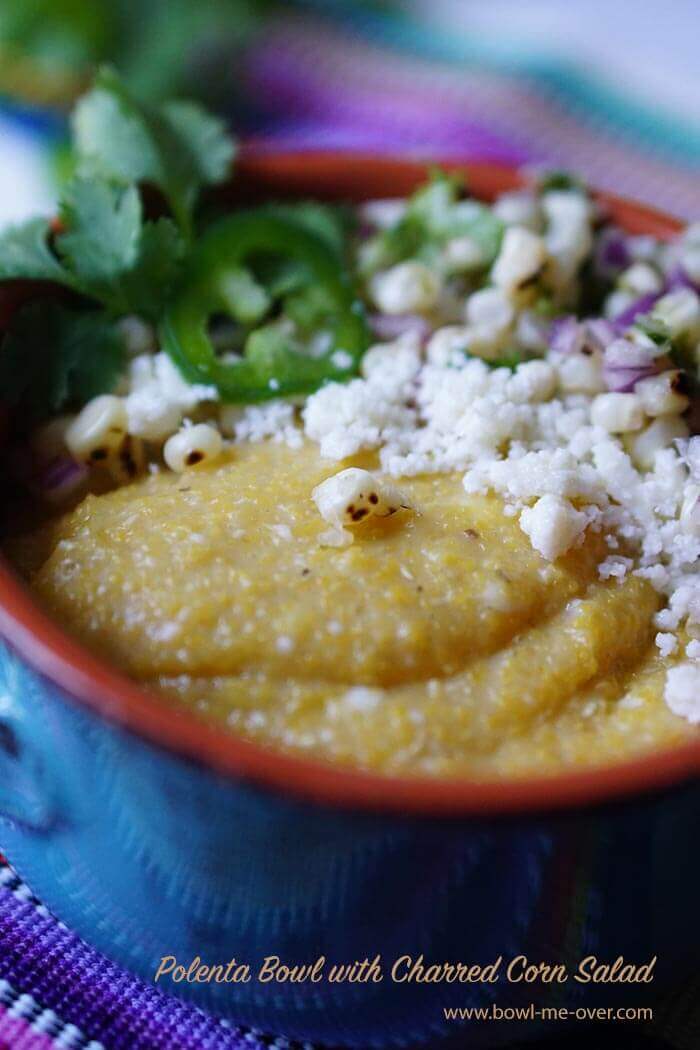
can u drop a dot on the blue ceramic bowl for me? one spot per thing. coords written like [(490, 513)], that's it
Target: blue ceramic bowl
[(152, 834)]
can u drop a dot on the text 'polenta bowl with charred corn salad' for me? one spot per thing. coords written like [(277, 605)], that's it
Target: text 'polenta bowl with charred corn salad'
[(410, 485)]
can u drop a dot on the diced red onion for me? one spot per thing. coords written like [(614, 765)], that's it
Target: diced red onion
[(679, 279), (625, 363), (61, 475), (640, 306), (391, 326), (53, 480), (566, 335), (599, 334), (612, 254)]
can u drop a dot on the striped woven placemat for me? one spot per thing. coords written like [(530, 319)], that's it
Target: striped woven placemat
[(58, 993)]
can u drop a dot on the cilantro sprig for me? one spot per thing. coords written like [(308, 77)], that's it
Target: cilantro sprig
[(177, 147), (436, 213), (107, 252)]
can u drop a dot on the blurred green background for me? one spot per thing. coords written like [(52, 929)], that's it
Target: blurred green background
[(48, 48)]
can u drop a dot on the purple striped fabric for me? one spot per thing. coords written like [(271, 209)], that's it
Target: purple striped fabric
[(320, 86), (57, 992)]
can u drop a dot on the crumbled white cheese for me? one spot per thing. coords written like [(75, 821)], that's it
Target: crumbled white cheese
[(615, 567), (682, 692), (520, 259), (274, 420), (666, 643), (553, 526), (533, 381), (364, 413), (159, 397)]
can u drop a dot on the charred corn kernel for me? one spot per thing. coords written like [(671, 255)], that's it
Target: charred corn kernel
[(658, 436), (354, 495), (617, 413), (663, 395), (409, 287), (581, 374), (568, 238), (489, 311), (520, 260), (617, 302), (49, 441), (641, 279), (128, 461), (191, 446), (99, 430), (462, 254), (519, 209), (679, 311)]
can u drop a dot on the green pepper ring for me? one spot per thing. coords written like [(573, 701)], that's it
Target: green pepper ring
[(258, 378)]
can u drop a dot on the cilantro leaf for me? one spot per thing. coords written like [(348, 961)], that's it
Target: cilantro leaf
[(25, 253), (434, 215), (178, 147), (53, 358), (509, 359), (559, 180), (103, 230), (209, 147), (149, 282)]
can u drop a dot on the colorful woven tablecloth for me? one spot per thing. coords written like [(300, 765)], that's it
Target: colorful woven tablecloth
[(57, 993), (609, 90)]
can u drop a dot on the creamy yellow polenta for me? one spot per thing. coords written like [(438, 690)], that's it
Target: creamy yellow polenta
[(438, 642)]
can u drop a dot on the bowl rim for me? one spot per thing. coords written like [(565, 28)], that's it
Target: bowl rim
[(44, 646)]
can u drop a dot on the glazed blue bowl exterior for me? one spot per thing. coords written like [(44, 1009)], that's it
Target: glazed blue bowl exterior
[(147, 854)]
